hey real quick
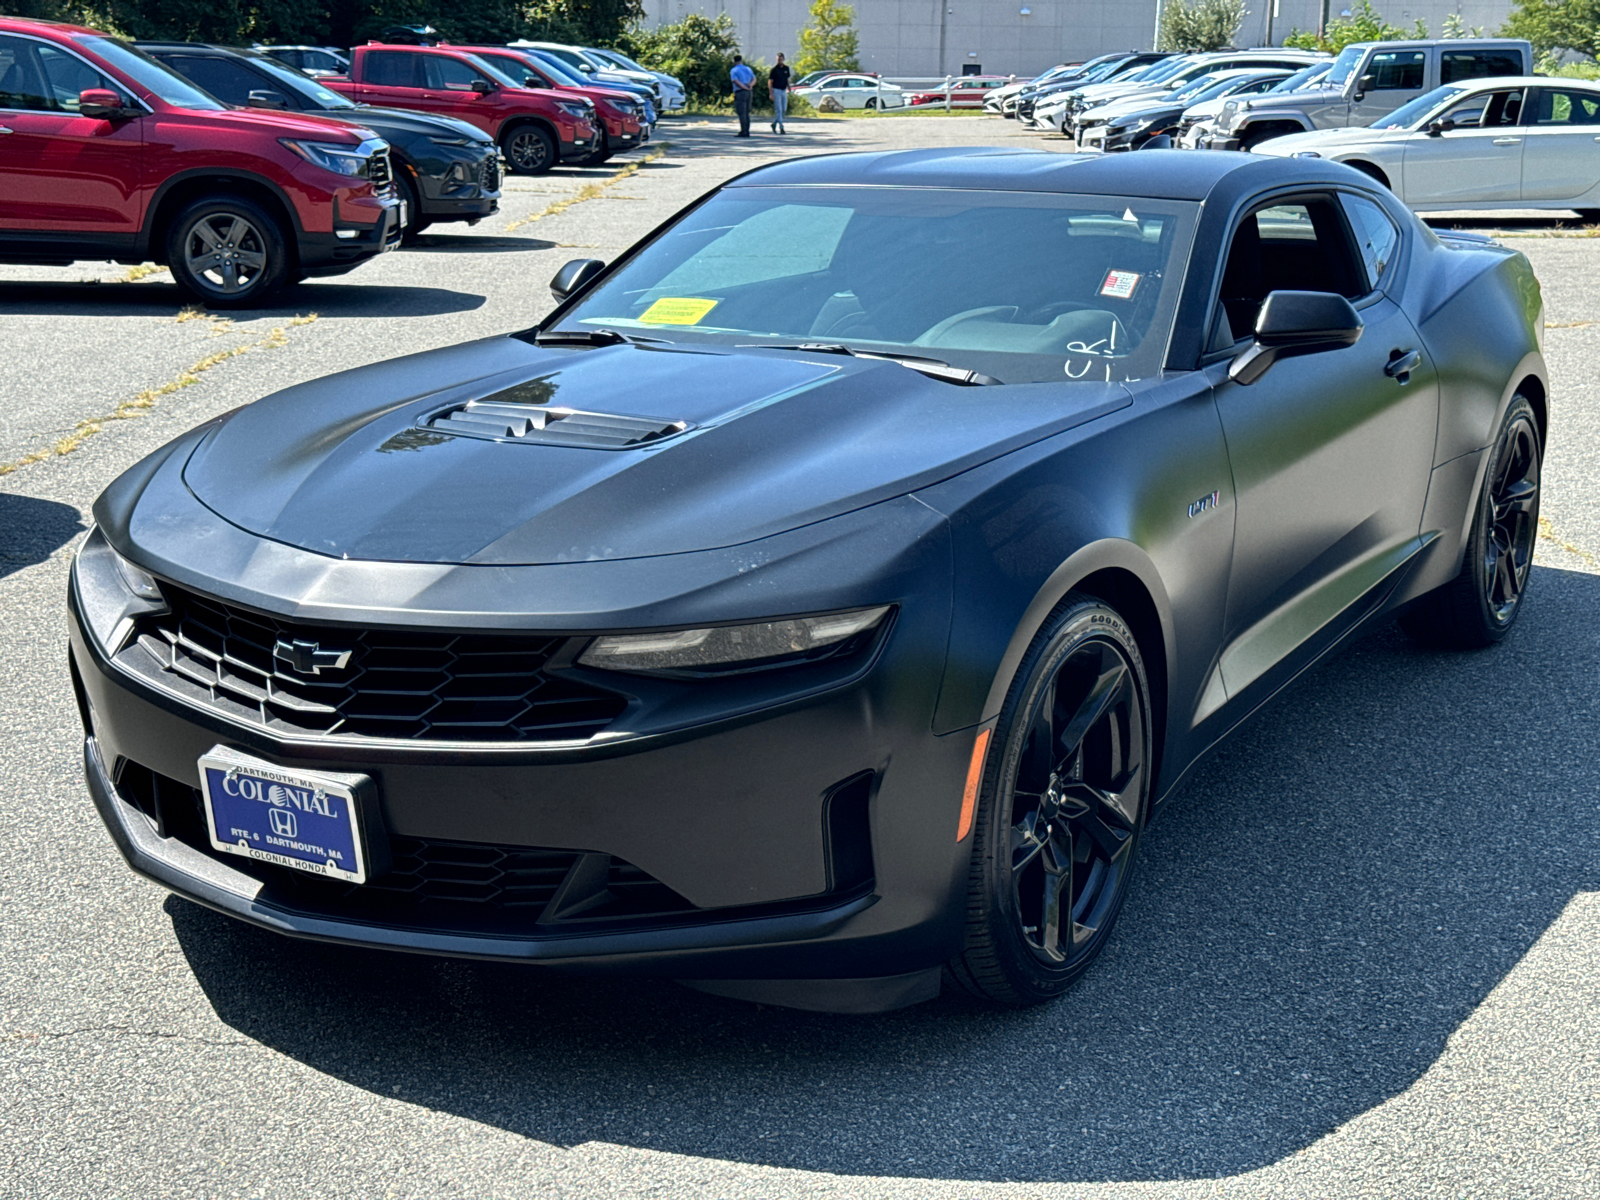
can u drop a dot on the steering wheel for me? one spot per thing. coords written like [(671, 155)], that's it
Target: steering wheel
[(1046, 313)]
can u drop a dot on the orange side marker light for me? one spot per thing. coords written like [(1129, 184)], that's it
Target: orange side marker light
[(969, 798)]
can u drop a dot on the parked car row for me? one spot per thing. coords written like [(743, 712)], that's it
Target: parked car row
[(241, 173)]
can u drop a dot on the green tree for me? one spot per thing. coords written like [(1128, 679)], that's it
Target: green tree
[(1200, 24), (697, 50), (1554, 26), (1365, 24), (829, 42)]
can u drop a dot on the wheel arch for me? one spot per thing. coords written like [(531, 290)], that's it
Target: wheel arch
[(1120, 574), (1370, 169), (1533, 387), (519, 122), (190, 186)]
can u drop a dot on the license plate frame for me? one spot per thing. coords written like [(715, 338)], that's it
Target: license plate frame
[(316, 822)]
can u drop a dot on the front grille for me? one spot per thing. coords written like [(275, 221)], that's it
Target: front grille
[(431, 882), (396, 683), (379, 172)]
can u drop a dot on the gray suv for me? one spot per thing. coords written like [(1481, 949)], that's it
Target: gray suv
[(1368, 80)]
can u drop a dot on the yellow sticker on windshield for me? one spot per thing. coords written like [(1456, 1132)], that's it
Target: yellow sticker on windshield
[(673, 310)]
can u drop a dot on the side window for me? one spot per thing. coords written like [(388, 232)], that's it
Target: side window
[(1567, 108), (1396, 70), (1376, 236), (320, 60), (227, 81), (1300, 245), (1456, 65), (66, 75), (22, 83), (451, 74), (1488, 110), (391, 68)]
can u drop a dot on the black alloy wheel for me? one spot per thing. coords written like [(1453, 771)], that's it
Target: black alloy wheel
[(601, 152), (1479, 606), (227, 252), (411, 197), (1063, 801), (529, 150)]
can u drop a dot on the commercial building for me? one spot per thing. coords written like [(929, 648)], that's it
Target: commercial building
[(1023, 37)]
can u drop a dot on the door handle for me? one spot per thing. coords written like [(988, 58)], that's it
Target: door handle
[(1509, 141), (3, 129), (1401, 363)]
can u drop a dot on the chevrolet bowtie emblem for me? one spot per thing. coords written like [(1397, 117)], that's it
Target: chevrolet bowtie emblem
[(309, 658)]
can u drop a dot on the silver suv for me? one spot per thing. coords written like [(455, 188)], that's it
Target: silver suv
[(1367, 81)]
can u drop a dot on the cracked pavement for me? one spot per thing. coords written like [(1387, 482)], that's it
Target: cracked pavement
[(1360, 958)]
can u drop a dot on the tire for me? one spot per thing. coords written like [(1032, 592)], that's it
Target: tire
[(1479, 606), (1589, 216), (228, 252), (600, 154), (415, 222), (872, 102), (1041, 807), (529, 150), (1253, 139)]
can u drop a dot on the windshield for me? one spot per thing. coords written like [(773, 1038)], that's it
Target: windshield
[(1339, 73), (303, 84), (1414, 113), (1192, 89), (151, 75), (1222, 87), (1298, 79), (625, 62), (558, 68), (1167, 68), (493, 72), (1046, 287)]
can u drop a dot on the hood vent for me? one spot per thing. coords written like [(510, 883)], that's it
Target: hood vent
[(551, 426)]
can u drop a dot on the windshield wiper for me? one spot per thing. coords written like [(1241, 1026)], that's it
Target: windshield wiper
[(592, 337), (934, 368)]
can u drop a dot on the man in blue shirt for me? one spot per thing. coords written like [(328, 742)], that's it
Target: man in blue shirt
[(744, 82)]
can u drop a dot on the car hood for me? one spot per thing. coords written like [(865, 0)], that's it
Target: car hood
[(1330, 139), (346, 466), (1300, 99), (404, 120), (287, 124)]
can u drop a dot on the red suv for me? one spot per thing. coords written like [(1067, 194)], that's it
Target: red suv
[(106, 154), (536, 129), (621, 114)]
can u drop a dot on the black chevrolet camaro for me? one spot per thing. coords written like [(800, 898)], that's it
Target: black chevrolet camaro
[(819, 604)]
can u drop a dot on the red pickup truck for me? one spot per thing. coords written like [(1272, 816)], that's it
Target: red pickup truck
[(536, 128), (107, 154)]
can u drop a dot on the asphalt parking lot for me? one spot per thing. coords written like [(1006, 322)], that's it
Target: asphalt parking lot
[(1362, 958)]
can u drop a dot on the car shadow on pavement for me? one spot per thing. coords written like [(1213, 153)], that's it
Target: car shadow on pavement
[(459, 243), (31, 530), (331, 299), (1328, 900)]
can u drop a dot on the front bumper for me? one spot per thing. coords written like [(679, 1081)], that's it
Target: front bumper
[(351, 243), (811, 839)]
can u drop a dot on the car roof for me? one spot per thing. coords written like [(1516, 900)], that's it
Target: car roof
[(1172, 175), (27, 24), (1500, 81)]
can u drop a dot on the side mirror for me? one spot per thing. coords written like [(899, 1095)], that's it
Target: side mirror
[(267, 99), (1435, 128), (103, 104), (575, 276), (586, 68), (1295, 323), (482, 86), (1161, 141)]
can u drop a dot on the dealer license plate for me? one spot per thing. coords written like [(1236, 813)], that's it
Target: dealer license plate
[(296, 819)]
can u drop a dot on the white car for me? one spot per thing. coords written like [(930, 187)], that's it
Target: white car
[(1507, 142), (673, 95), (1128, 122), (1199, 120), (855, 91)]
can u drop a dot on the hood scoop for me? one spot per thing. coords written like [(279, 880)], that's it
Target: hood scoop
[(512, 421)]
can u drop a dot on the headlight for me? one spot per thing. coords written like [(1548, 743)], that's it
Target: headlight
[(575, 108), (725, 648), (112, 591), (330, 156)]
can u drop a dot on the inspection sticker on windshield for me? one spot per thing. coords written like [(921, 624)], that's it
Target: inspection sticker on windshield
[(673, 310), (1119, 285)]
